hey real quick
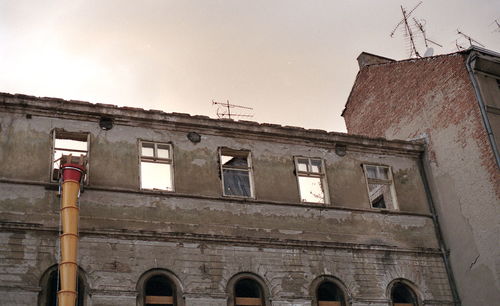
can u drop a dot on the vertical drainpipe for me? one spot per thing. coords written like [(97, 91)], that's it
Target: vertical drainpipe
[(482, 107), (68, 266), (437, 230)]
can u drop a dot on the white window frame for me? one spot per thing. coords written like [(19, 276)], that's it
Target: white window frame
[(389, 181), (248, 168), (309, 173), (159, 160), (78, 136)]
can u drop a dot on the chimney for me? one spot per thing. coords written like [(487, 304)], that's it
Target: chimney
[(366, 59)]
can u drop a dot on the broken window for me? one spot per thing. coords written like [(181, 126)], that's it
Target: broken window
[(159, 291), (156, 166), (329, 294), (248, 292), (311, 179), (65, 144), (236, 172), (402, 295), (380, 185)]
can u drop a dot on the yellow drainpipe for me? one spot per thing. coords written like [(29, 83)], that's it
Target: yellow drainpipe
[(68, 266)]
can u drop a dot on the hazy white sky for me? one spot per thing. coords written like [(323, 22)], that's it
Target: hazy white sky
[(294, 62)]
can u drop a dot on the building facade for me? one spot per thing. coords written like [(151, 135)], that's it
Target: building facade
[(188, 210), (452, 102)]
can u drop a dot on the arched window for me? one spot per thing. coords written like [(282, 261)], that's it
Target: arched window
[(329, 294), (159, 291), (159, 287), (402, 295), (50, 286), (248, 292)]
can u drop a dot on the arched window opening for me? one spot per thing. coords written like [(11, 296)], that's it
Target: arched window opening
[(159, 291), (329, 294), (53, 287), (248, 293), (402, 295)]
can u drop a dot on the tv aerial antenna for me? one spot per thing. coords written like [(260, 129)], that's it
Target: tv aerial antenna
[(407, 29), (420, 25), (470, 39), (497, 29), (224, 110)]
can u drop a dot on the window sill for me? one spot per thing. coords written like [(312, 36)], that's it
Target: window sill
[(54, 186)]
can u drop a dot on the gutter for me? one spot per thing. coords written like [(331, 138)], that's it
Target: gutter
[(439, 234), (472, 57)]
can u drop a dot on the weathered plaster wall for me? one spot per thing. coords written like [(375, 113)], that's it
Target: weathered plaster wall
[(114, 161), (114, 263), (197, 234), (434, 98)]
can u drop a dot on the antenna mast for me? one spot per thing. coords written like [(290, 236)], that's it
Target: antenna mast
[(495, 22), (224, 110), (407, 29), (470, 39), (420, 26)]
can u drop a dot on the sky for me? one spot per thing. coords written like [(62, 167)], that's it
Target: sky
[(293, 62)]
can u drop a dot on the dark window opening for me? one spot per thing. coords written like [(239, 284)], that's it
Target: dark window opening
[(379, 202), (159, 291), (248, 293), (53, 287), (330, 294), (236, 172), (401, 295), (380, 185)]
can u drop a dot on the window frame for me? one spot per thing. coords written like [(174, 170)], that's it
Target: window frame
[(410, 286), (249, 169), (262, 284), (389, 181), (321, 175), (158, 160), (176, 286), (83, 135)]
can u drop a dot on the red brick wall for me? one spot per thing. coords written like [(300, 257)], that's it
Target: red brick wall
[(402, 100)]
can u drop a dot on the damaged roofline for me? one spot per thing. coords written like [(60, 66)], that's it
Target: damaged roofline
[(121, 115)]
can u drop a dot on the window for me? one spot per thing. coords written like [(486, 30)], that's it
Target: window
[(50, 284), (67, 144), (248, 292), (159, 287), (311, 179), (236, 172), (157, 166), (381, 190), (402, 295), (159, 291), (329, 294)]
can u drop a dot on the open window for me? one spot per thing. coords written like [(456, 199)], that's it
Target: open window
[(156, 166), (311, 179), (66, 143), (159, 291), (402, 295), (329, 294), (380, 185), (247, 292), (236, 170)]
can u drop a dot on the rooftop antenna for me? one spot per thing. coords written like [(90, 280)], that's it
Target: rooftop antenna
[(224, 110), (459, 46), (470, 39), (420, 25), (497, 29), (408, 31)]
